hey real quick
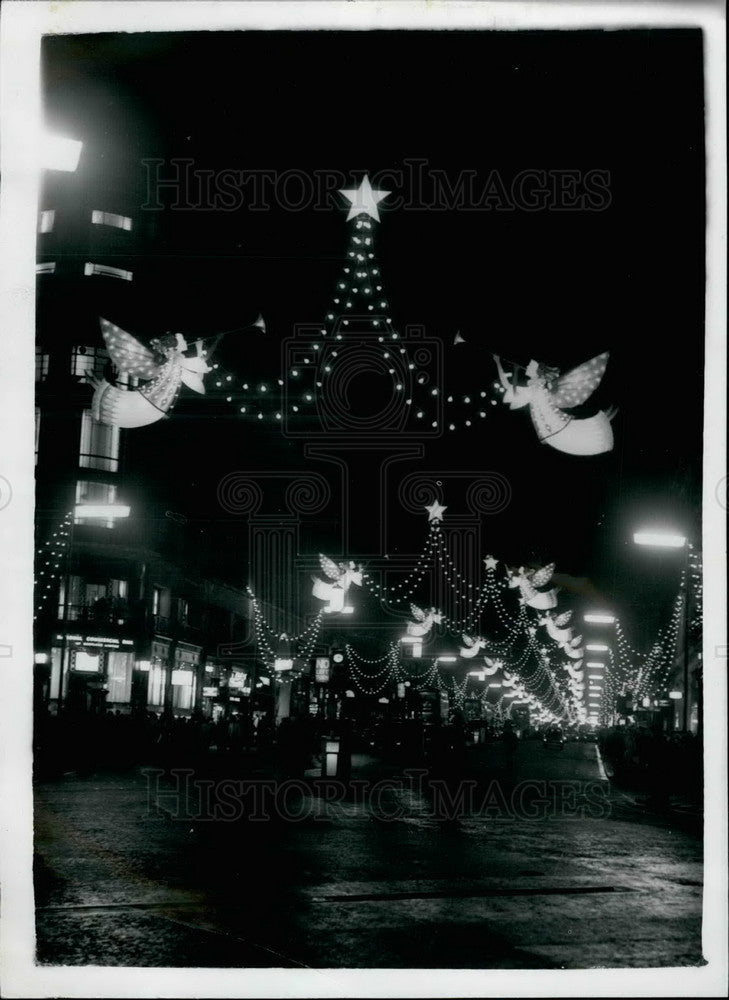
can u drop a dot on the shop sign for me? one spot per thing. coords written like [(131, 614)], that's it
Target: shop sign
[(98, 641), (322, 669)]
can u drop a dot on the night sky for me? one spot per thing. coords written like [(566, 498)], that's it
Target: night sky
[(559, 286)]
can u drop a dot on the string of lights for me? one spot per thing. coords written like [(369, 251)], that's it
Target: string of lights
[(48, 560), (407, 588)]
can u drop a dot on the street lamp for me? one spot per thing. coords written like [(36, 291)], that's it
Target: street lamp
[(599, 618), (659, 539), (60, 153), (673, 540), (104, 511)]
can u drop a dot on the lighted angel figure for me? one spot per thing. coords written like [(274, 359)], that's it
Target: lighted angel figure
[(562, 636), (424, 621), (163, 368), (549, 394), (575, 654), (492, 666), (471, 647), (341, 576), (563, 619), (542, 600)]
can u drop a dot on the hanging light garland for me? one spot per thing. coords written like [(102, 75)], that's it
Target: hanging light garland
[(48, 561), (359, 303), (372, 683), (265, 634), (405, 591)]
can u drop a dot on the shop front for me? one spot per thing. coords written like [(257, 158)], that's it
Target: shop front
[(91, 673)]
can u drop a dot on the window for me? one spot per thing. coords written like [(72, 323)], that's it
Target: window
[(46, 267), (183, 677), (70, 600), (99, 447), (183, 689), (86, 663), (46, 220), (183, 611), (118, 588), (41, 364), (106, 271), (56, 657), (95, 493), (88, 361), (94, 592), (110, 219), (119, 677), (156, 683), (156, 600)]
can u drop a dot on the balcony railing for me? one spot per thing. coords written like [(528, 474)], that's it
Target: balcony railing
[(105, 611)]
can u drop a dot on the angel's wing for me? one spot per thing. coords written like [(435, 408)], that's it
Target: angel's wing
[(468, 641), (577, 385), (543, 575), (563, 619), (127, 353), (417, 614), (329, 568)]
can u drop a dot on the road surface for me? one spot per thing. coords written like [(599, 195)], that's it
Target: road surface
[(530, 862)]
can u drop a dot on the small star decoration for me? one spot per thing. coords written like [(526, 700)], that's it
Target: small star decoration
[(435, 512), (364, 200)]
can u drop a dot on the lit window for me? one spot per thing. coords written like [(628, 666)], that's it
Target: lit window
[(46, 220), (70, 600), (183, 678), (41, 365), (87, 663), (99, 445), (47, 267), (107, 271), (156, 598), (88, 361), (156, 683), (95, 493), (118, 588), (119, 677), (110, 219)]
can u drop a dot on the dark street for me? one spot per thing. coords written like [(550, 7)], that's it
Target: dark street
[(375, 880), (364, 596)]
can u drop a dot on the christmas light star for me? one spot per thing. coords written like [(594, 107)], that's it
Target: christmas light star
[(491, 563), (435, 511), (364, 200)]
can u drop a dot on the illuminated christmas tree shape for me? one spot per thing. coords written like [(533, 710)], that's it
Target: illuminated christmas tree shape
[(361, 373)]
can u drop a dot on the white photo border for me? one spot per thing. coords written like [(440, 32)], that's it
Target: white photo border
[(22, 24)]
